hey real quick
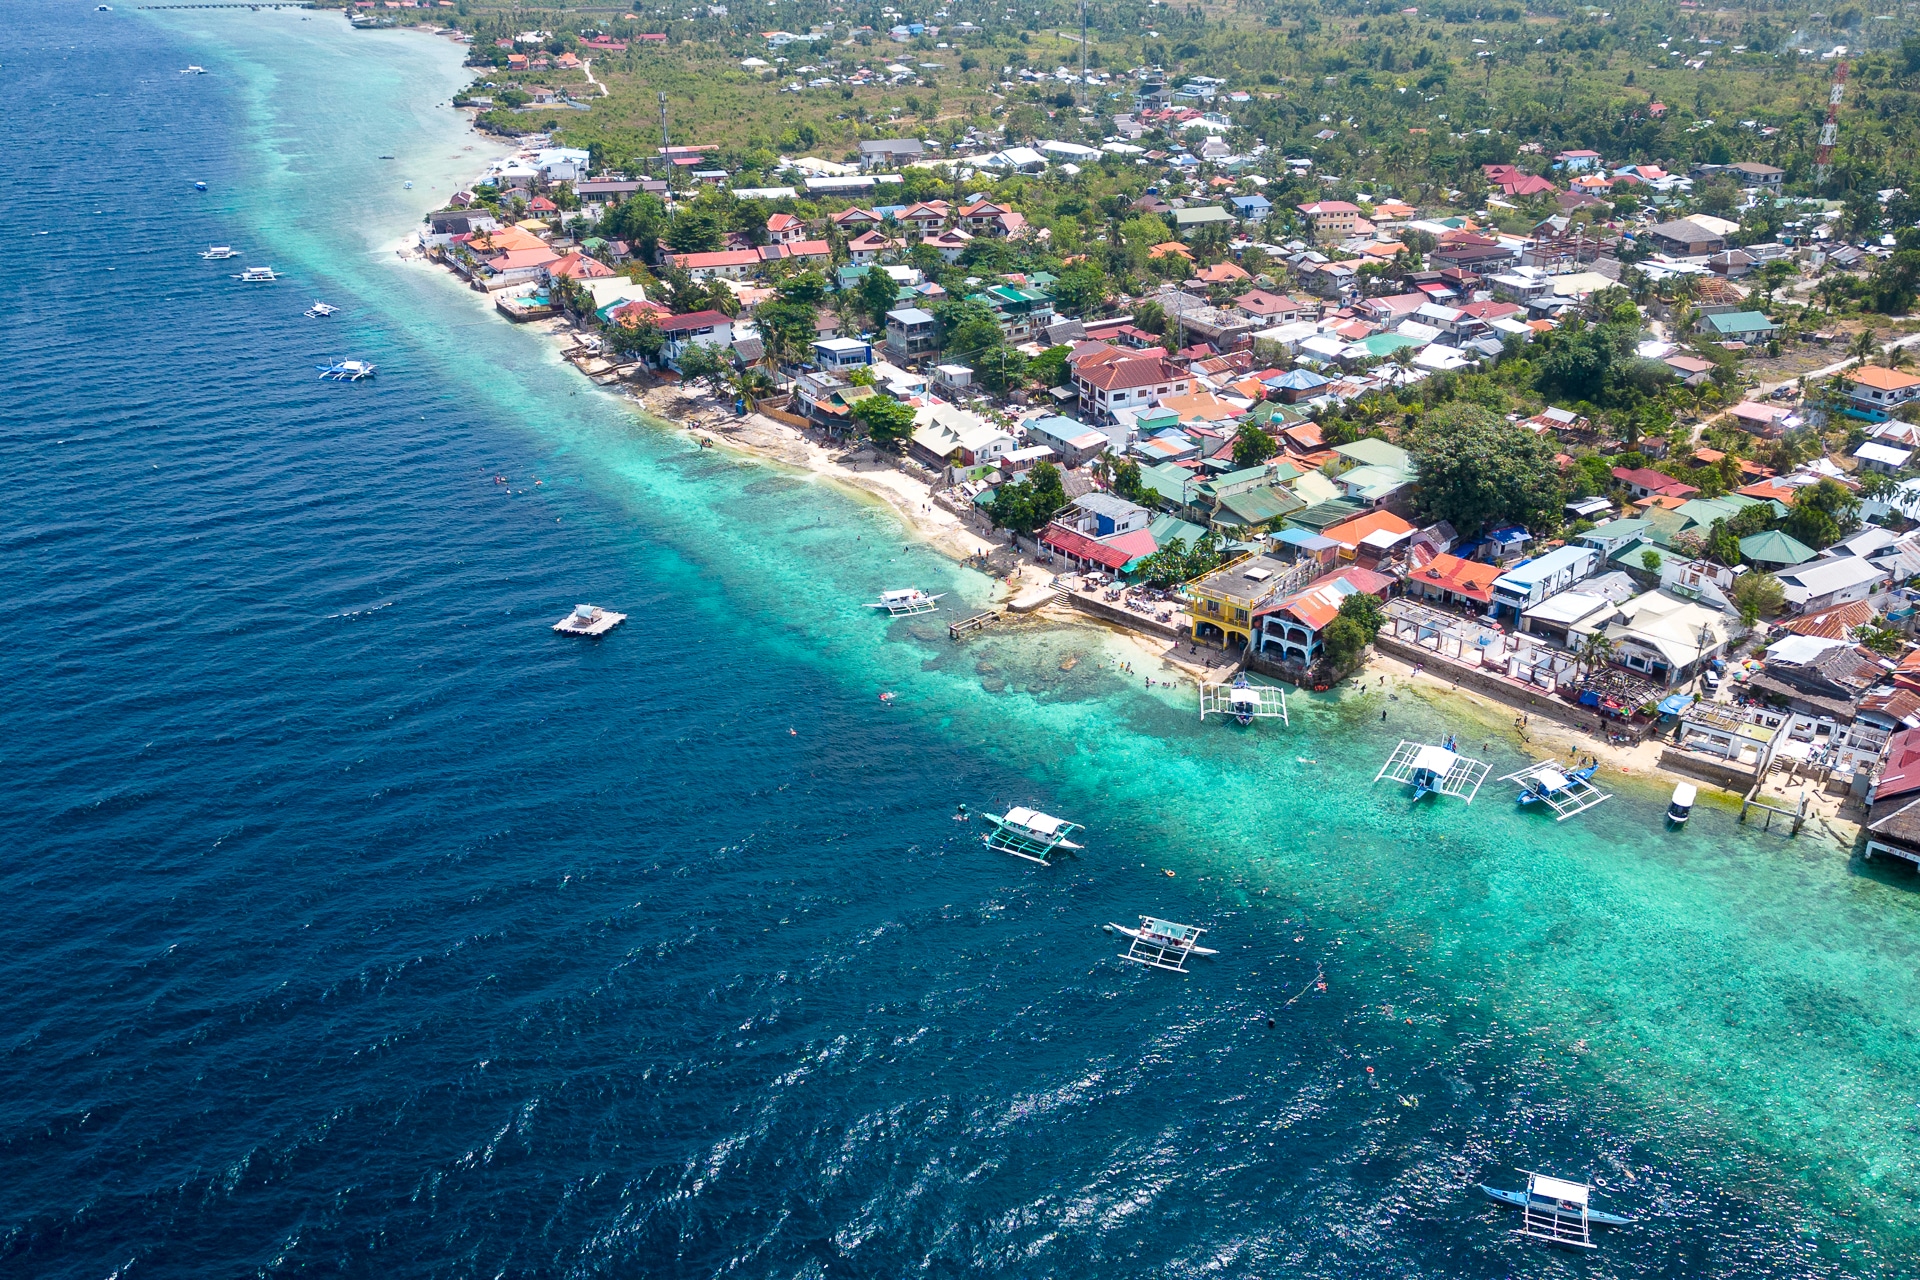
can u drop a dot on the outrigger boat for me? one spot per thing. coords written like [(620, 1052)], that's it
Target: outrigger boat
[(346, 371), (258, 275), (1556, 1211), (1030, 834), (1432, 770), (1680, 808), (1565, 791), (320, 311), (1243, 700), (905, 602), (1162, 944), (220, 253)]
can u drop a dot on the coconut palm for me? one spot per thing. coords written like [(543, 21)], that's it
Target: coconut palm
[(1595, 653), (1863, 346)]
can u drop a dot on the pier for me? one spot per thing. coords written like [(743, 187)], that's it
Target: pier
[(978, 622)]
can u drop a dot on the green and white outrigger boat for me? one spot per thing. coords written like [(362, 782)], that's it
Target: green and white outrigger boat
[(1030, 834)]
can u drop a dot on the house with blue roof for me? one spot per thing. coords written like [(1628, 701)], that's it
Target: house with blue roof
[(1253, 208)]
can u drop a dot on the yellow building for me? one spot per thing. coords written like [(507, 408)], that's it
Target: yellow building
[(1222, 603)]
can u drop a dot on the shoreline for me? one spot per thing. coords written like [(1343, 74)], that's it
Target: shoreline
[(712, 421)]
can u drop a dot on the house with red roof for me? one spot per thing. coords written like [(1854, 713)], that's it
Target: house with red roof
[(1116, 379), (1644, 482), (785, 228), (1290, 628), (1332, 219)]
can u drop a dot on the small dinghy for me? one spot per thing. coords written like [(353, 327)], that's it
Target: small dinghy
[(1680, 808)]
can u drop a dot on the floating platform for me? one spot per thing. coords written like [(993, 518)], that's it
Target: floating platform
[(1162, 944), (1244, 701), (588, 620), (1440, 770), (1565, 791)]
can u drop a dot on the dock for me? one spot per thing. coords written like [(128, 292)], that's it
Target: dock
[(978, 622), (589, 620)]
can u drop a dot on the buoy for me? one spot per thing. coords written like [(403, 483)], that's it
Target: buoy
[(1167, 872), (1369, 1070)]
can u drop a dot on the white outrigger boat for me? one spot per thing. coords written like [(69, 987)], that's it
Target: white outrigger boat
[(320, 311), (1680, 808), (1030, 834), (220, 252), (1244, 701), (258, 275), (1162, 944), (346, 371), (1432, 770), (905, 602), (1556, 1211)]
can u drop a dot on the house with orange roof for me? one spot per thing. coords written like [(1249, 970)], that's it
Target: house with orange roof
[(1376, 531), (784, 228), (1450, 580), (1222, 273), (1875, 392), (1171, 248), (1289, 629), (578, 266)]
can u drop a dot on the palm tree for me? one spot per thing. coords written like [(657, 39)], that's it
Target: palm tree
[(1864, 345), (1595, 653), (1896, 357)]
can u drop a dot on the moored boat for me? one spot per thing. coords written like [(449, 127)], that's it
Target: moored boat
[(905, 602), (1680, 808), (220, 253), (346, 371), (320, 311), (258, 275), (1518, 1200)]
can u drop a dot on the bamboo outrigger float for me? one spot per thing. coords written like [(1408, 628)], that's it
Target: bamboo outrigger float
[(1244, 701), (1162, 944), (1030, 834), (1556, 1211), (1565, 791), (1432, 770)]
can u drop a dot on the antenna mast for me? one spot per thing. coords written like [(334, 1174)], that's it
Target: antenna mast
[(1830, 131)]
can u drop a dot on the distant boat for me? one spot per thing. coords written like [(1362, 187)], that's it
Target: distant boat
[(320, 311), (193, 71), (103, 8), (258, 275), (346, 371), (220, 253), (407, 185), (199, 186), (1029, 833), (1681, 806), (905, 602)]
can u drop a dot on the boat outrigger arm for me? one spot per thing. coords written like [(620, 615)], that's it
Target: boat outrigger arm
[(905, 602), (1030, 834)]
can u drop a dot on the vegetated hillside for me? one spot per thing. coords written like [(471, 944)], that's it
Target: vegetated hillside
[(1414, 98)]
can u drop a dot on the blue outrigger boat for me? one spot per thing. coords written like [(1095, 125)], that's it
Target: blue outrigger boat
[(1565, 791), (1432, 770), (1556, 1211)]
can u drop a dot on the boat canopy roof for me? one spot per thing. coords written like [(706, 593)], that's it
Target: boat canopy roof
[(1557, 1189), (1685, 793), (1244, 693), (1549, 779), (1033, 820), (1438, 759), (1167, 928)]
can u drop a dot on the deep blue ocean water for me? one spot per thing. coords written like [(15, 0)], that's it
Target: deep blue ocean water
[(361, 925)]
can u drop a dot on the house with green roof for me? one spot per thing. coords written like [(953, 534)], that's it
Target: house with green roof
[(1772, 549), (1245, 511), (1743, 326), (1324, 515)]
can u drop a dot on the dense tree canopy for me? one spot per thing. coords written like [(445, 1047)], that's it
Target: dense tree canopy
[(1025, 506), (1478, 470)]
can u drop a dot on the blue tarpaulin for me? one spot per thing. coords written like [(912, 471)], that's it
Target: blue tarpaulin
[(1674, 703)]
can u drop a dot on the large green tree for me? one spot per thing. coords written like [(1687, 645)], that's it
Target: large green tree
[(1252, 446), (1026, 505), (887, 421), (1479, 470), (1823, 513)]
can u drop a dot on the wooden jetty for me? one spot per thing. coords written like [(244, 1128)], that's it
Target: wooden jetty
[(1797, 815), (978, 622), (588, 620)]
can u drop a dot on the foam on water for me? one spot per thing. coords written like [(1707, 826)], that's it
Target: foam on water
[(364, 927)]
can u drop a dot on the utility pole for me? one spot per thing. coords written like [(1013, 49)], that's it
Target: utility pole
[(664, 144)]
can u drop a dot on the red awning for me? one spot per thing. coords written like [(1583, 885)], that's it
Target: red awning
[(1079, 546)]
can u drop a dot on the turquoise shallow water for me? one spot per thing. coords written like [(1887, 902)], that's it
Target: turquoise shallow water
[(367, 929)]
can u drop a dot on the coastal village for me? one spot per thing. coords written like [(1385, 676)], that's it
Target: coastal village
[(1598, 439)]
